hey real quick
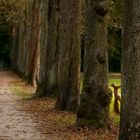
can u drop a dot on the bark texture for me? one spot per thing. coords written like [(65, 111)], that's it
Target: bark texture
[(52, 47), (49, 48), (34, 43), (96, 96), (26, 41), (130, 110), (41, 87), (69, 55)]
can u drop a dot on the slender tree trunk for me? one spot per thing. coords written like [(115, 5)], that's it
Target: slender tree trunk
[(41, 87), (130, 110), (34, 42), (15, 47), (93, 110), (69, 55), (27, 34)]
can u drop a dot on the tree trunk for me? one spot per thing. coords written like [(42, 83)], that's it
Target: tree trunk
[(15, 47), (130, 110), (52, 48), (41, 87), (69, 55), (50, 18), (93, 110), (28, 34), (34, 43)]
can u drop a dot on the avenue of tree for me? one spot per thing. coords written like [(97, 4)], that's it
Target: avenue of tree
[(47, 36)]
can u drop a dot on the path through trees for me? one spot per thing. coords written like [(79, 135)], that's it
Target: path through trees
[(36, 119)]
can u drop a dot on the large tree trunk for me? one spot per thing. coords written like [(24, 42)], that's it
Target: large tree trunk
[(130, 110), (93, 110), (69, 55)]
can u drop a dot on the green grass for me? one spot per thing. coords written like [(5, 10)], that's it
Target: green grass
[(115, 117), (22, 92)]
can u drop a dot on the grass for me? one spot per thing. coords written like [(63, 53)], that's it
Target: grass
[(23, 92), (114, 78)]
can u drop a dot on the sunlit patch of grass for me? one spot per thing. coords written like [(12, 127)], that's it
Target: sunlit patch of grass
[(22, 92), (115, 117)]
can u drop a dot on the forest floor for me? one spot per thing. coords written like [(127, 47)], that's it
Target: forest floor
[(24, 118)]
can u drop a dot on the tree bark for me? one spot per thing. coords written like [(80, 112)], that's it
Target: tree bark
[(96, 96), (41, 87), (130, 110), (69, 55), (52, 48), (34, 44)]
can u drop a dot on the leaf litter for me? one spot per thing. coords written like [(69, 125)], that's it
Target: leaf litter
[(26, 118)]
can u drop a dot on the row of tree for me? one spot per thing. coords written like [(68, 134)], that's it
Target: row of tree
[(46, 50)]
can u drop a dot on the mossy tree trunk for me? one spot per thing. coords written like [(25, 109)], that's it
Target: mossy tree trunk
[(94, 110), (130, 110), (69, 55)]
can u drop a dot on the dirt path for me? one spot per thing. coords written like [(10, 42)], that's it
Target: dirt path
[(36, 119), (14, 123)]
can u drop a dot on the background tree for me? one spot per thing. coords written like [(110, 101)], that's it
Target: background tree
[(7, 13), (130, 111), (41, 87), (34, 44)]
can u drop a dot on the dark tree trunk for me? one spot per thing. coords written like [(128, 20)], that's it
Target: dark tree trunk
[(49, 52), (52, 48), (130, 110), (69, 55), (93, 110), (15, 47)]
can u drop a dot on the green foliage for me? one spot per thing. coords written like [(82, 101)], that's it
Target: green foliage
[(116, 13), (115, 35), (8, 15), (22, 93), (114, 49), (10, 10)]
